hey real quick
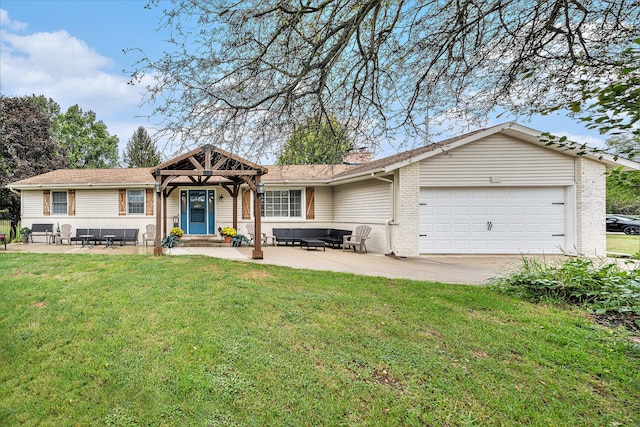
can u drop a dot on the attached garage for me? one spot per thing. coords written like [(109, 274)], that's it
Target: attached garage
[(485, 220)]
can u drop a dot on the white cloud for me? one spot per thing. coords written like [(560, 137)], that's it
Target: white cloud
[(65, 69), (6, 22), (69, 71)]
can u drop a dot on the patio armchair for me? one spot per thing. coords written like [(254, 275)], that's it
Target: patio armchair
[(251, 231), (357, 239), (65, 234), (150, 235)]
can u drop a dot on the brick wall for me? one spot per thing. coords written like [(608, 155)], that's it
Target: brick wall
[(405, 238), (591, 236)]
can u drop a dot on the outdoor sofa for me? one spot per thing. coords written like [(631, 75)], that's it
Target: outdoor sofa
[(123, 235), (330, 236), (41, 230)]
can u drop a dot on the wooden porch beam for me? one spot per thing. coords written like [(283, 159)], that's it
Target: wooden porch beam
[(250, 172), (196, 163)]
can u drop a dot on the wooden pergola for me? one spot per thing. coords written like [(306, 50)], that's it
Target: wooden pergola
[(208, 165)]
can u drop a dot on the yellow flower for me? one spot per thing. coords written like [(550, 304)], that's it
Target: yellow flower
[(177, 231), (228, 231)]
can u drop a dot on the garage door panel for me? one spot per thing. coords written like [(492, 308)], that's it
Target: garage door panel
[(492, 220), (443, 228), (479, 210), (442, 210), (461, 210)]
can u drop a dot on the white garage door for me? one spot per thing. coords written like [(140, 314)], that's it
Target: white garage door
[(492, 220)]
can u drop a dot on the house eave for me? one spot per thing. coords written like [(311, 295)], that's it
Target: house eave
[(359, 176), (83, 186)]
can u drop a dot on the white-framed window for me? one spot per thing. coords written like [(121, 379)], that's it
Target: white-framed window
[(59, 202), (135, 202), (282, 204)]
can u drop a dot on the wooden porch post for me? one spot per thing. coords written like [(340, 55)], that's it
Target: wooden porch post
[(257, 216), (165, 230), (157, 250), (235, 211)]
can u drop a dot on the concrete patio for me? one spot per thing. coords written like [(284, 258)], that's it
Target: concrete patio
[(462, 269)]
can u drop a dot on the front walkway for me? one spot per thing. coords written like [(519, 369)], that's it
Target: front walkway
[(464, 269)]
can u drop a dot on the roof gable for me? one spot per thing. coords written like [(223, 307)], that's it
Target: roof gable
[(514, 130)]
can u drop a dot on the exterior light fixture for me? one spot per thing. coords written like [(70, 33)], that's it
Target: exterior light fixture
[(260, 191), (158, 187)]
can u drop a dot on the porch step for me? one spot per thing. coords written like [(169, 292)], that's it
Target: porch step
[(202, 241)]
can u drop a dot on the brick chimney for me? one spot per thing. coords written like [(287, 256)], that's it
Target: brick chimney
[(357, 156)]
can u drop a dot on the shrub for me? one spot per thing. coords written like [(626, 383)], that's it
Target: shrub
[(604, 289), (238, 239)]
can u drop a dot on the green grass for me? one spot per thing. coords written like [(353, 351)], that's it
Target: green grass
[(623, 244), (195, 341)]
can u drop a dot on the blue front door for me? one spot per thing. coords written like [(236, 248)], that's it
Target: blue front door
[(197, 212)]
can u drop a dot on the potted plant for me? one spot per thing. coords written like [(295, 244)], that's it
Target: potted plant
[(238, 239), (173, 238), (176, 231), (25, 232), (227, 233)]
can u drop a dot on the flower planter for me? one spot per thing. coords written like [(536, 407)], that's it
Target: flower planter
[(227, 239)]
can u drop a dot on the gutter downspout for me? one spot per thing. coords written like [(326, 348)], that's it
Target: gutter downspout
[(388, 221)]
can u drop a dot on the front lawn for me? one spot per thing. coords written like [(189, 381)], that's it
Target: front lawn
[(623, 244), (195, 341)]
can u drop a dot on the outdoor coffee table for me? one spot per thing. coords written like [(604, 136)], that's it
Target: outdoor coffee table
[(85, 240), (109, 241), (313, 243)]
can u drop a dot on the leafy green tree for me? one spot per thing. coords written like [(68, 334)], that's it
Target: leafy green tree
[(325, 142), (27, 147), (141, 151), (86, 140), (48, 106), (623, 189), (609, 104)]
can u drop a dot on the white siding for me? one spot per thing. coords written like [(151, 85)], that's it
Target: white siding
[(31, 206), (510, 161), (323, 205), (363, 202), (94, 208), (97, 203)]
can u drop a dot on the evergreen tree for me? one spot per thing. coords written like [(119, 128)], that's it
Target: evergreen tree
[(141, 151)]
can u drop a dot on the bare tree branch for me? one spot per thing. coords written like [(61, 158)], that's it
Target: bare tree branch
[(244, 73)]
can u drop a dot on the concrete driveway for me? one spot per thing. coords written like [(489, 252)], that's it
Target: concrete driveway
[(462, 269)]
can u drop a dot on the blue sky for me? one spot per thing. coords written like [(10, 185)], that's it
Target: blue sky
[(73, 52)]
